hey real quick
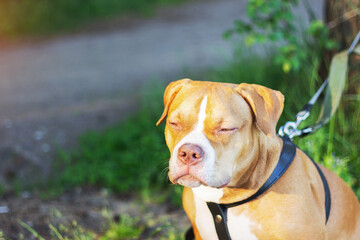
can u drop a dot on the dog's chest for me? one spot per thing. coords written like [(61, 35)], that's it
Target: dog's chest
[(240, 226)]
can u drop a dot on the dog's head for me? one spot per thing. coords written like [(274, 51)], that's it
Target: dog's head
[(212, 129)]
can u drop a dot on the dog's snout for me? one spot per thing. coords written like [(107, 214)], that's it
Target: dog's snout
[(190, 154)]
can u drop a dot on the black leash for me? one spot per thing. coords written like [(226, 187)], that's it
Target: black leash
[(326, 190)]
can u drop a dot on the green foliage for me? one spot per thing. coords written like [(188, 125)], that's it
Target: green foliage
[(131, 156), (127, 228), (273, 21), (2, 237), (34, 17), (30, 229)]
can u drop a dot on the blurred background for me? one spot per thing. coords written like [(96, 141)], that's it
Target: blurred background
[(81, 86)]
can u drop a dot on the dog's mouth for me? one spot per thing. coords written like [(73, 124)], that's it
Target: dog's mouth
[(191, 181)]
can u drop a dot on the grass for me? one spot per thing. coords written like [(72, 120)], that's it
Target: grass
[(38, 17), (128, 157), (125, 228)]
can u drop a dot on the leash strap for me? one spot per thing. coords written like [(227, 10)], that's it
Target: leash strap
[(219, 213), (326, 189)]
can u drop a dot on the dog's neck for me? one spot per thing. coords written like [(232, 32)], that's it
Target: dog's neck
[(262, 161)]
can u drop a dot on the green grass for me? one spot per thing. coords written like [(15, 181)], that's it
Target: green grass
[(37, 17), (126, 228), (130, 157)]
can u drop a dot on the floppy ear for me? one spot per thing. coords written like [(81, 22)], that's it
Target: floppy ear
[(170, 92), (267, 105)]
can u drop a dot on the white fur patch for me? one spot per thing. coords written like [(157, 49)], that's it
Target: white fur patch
[(239, 227), (208, 194), (197, 136)]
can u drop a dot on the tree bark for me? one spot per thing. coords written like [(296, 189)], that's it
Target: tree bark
[(343, 20), (342, 17)]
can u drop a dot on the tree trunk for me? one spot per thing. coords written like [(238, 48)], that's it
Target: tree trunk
[(342, 17), (343, 20)]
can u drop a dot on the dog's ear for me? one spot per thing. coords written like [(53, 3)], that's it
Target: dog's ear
[(267, 105), (171, 90)]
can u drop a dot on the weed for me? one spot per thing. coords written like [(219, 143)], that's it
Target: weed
[(125, 158), (127, 228), (31, 230)]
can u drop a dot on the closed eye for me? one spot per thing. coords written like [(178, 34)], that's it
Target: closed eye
[(227, 130), (174, 124)]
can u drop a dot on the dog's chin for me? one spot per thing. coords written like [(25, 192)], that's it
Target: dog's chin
[(189, 181), (193, 182)]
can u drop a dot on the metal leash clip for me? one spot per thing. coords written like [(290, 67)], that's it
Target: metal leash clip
[(290, 128)]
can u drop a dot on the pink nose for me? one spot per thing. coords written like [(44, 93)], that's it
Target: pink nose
[(190, 154)]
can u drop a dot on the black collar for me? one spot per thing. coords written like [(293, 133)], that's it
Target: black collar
[(219, 211)]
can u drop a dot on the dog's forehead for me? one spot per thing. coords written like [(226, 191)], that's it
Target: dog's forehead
[(222, 100)]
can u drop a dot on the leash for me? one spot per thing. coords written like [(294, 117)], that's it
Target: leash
[(335, 84)]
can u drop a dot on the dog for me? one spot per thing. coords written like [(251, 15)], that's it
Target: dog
[(223, 144)]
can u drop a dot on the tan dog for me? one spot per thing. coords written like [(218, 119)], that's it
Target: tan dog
[(224, 146)]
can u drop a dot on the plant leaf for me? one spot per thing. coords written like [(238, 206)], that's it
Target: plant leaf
[(337, 77)]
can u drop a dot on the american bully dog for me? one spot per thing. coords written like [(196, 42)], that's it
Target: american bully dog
[(224, 147)]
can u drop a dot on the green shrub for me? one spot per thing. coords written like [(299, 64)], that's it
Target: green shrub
[(129, 156), (273, 21)]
